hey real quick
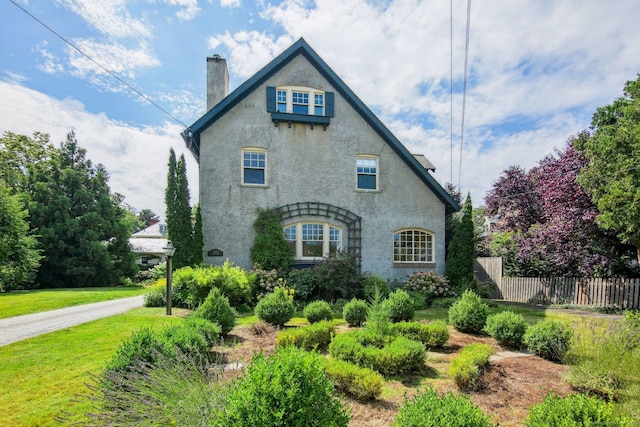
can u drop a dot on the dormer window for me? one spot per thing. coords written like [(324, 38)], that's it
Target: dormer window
[(299, 104)]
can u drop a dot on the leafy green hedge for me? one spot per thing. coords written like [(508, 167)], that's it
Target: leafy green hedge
[(433, 334), (426, 409), (575, 410), (466, 368), (361, 383), (288, 388), (389, 355), (314, 336)]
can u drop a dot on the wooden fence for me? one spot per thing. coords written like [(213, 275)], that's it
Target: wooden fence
[(621, 293)]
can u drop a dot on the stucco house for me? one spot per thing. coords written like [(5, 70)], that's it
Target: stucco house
[(294, 136)]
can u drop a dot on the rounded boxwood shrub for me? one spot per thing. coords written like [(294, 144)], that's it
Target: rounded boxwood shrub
[(185, 339), (288, 388), (355, 312), (549, 339), (317, 311), (314, 336), (575, 410), (469, 313), (361, 383), (507, 327), (216, 309), (276, 308), (426, 409), (388, 355), (433, 334), (210, 331), (143, 346), (400, 306)]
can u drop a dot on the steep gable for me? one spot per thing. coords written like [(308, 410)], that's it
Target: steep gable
[(191, 135)]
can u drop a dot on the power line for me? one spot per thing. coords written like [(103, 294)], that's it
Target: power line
[(464, 88), (451, 91), (139, 93)]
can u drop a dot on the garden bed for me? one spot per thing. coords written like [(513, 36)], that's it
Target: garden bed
[(510, 387)]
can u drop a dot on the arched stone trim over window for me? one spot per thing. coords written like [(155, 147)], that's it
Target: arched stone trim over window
[(353, 222)]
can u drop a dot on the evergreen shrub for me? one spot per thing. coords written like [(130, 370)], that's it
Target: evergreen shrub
[(507, 327), (288, 388), (361, 383), (469, 313), (466, 368), (371, 283), (426, 409), (314, 336), (389, 355), (156, 297), (276, 308), (355, 312), (317, 311), (305, 282), (549, 339), (575, 410), (400, 306), (216, 309), (433, 334)]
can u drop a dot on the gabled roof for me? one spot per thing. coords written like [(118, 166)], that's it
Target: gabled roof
[(191, 135)]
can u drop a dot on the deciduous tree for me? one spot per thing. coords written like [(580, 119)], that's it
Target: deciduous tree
[(612, 174), (19, 256)]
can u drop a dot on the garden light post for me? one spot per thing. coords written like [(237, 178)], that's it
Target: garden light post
[(169, 250)]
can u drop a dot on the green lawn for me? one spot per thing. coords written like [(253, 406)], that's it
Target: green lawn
[(43, 376), (25, 302)]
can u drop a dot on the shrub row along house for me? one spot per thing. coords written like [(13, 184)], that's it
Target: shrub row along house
[(296, 138)]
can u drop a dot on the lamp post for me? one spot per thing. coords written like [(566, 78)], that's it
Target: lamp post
[(169, 250)]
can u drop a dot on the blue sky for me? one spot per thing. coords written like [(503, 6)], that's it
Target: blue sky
[(537, 71)]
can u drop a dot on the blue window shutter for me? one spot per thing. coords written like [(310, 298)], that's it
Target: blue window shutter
[(328, 107), (271, 99)]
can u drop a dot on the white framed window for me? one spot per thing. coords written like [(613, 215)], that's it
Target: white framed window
[(367, 172), (300, 100), (313, 240), (254, 166), (413, 245)]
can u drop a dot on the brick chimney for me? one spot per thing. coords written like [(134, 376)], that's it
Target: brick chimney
[(217, 80)]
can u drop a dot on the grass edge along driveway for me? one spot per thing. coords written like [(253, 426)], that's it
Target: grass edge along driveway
[(17, 303), (41, 377)]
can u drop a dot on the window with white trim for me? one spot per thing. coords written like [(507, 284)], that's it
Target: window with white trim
[(413, 245), (254, 166), (313, 240), (367, 172), (296, 100)]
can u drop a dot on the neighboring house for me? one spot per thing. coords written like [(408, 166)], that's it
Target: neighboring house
[(148, 245), (295, 137)]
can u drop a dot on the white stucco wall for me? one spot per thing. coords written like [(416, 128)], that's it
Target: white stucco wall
[(305, 165)]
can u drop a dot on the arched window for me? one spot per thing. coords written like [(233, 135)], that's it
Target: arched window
[(413, 245), (313, 240)]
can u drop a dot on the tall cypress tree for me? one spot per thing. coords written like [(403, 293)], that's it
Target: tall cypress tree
[(461, 254), (198, 238), (179, 225)]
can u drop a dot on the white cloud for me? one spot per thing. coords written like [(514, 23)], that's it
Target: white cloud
[(230, 3), (136, 158), (118, 59), (249, 50), (188, 8), (541, 68), (110, 17)]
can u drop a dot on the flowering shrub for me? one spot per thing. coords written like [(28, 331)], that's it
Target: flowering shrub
[(265, 280), (430, 284)]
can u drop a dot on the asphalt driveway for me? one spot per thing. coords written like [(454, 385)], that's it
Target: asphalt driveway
[(30, 325)]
